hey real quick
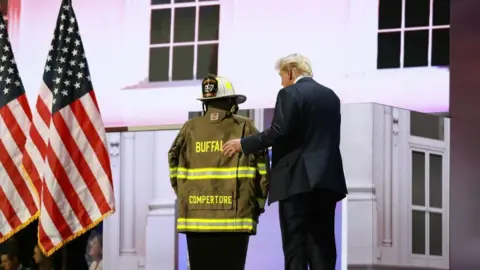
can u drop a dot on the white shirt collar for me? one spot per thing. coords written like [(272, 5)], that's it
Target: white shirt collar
[(298, 78)]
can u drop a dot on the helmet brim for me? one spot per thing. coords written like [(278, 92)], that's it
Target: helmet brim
[(239, 99)]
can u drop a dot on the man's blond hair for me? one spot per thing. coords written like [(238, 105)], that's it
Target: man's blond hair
[(296, 63)]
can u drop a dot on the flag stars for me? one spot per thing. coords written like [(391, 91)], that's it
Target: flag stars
[(8, 80), (6, 90), (77, 85), (70, 29), (4, 58), (6, 48), (69, 72), (2, 26), (17, 83), (64, 93), (10, 70), (47, 68)]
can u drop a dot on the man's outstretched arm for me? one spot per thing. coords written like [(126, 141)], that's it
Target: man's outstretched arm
[(284, 117)]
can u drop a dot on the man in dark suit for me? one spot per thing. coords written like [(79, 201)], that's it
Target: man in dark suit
[(307, 173)]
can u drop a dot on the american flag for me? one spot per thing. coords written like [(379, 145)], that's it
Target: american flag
[(18, 199), (77, 190)]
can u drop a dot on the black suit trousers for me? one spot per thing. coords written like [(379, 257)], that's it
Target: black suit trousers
[(217, 251), (307, 222)]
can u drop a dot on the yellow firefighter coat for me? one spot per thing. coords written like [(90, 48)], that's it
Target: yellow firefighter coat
[(216, 193)]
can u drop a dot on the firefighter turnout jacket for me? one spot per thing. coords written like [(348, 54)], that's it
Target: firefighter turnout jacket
[(216, 193)]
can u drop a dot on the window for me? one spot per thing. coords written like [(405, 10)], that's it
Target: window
[(4, 9), (183, 39), (427, 204), (413, 33)]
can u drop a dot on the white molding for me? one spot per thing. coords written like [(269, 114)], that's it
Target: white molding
[(259, 118), (111, 225), (160, 207), (361, 193), (387, 177), (127, 194)]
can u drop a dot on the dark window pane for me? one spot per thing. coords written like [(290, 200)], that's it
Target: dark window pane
[(427, 125), (183, 1), (417, 13), (158, 62), (441, 47), (441, 12), (388, 55), (207, 60), (418, 232), (208, 23), (160, 26), (161, 2), (436, 234), (182, 63), (416, 49), (184, 27), (418, 178), (436, 179), (390, 14), (4, 6)]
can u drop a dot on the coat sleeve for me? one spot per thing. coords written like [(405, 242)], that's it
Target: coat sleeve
[(262, 178), (262, 164), (174, 156)]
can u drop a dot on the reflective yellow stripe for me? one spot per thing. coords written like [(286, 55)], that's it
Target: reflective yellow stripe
[(261, 202), (200, 224), (173, 172), (212, 173), (262, 168)]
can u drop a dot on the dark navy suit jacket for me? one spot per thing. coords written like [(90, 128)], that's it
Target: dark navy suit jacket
[(305, 140)]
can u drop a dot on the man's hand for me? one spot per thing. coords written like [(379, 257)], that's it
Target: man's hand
[(232, 147)]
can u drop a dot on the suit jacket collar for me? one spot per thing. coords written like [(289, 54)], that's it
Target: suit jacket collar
[(303, 79)]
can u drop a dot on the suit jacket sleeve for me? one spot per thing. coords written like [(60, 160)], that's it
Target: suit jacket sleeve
[(174, 156), (284, 117)]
